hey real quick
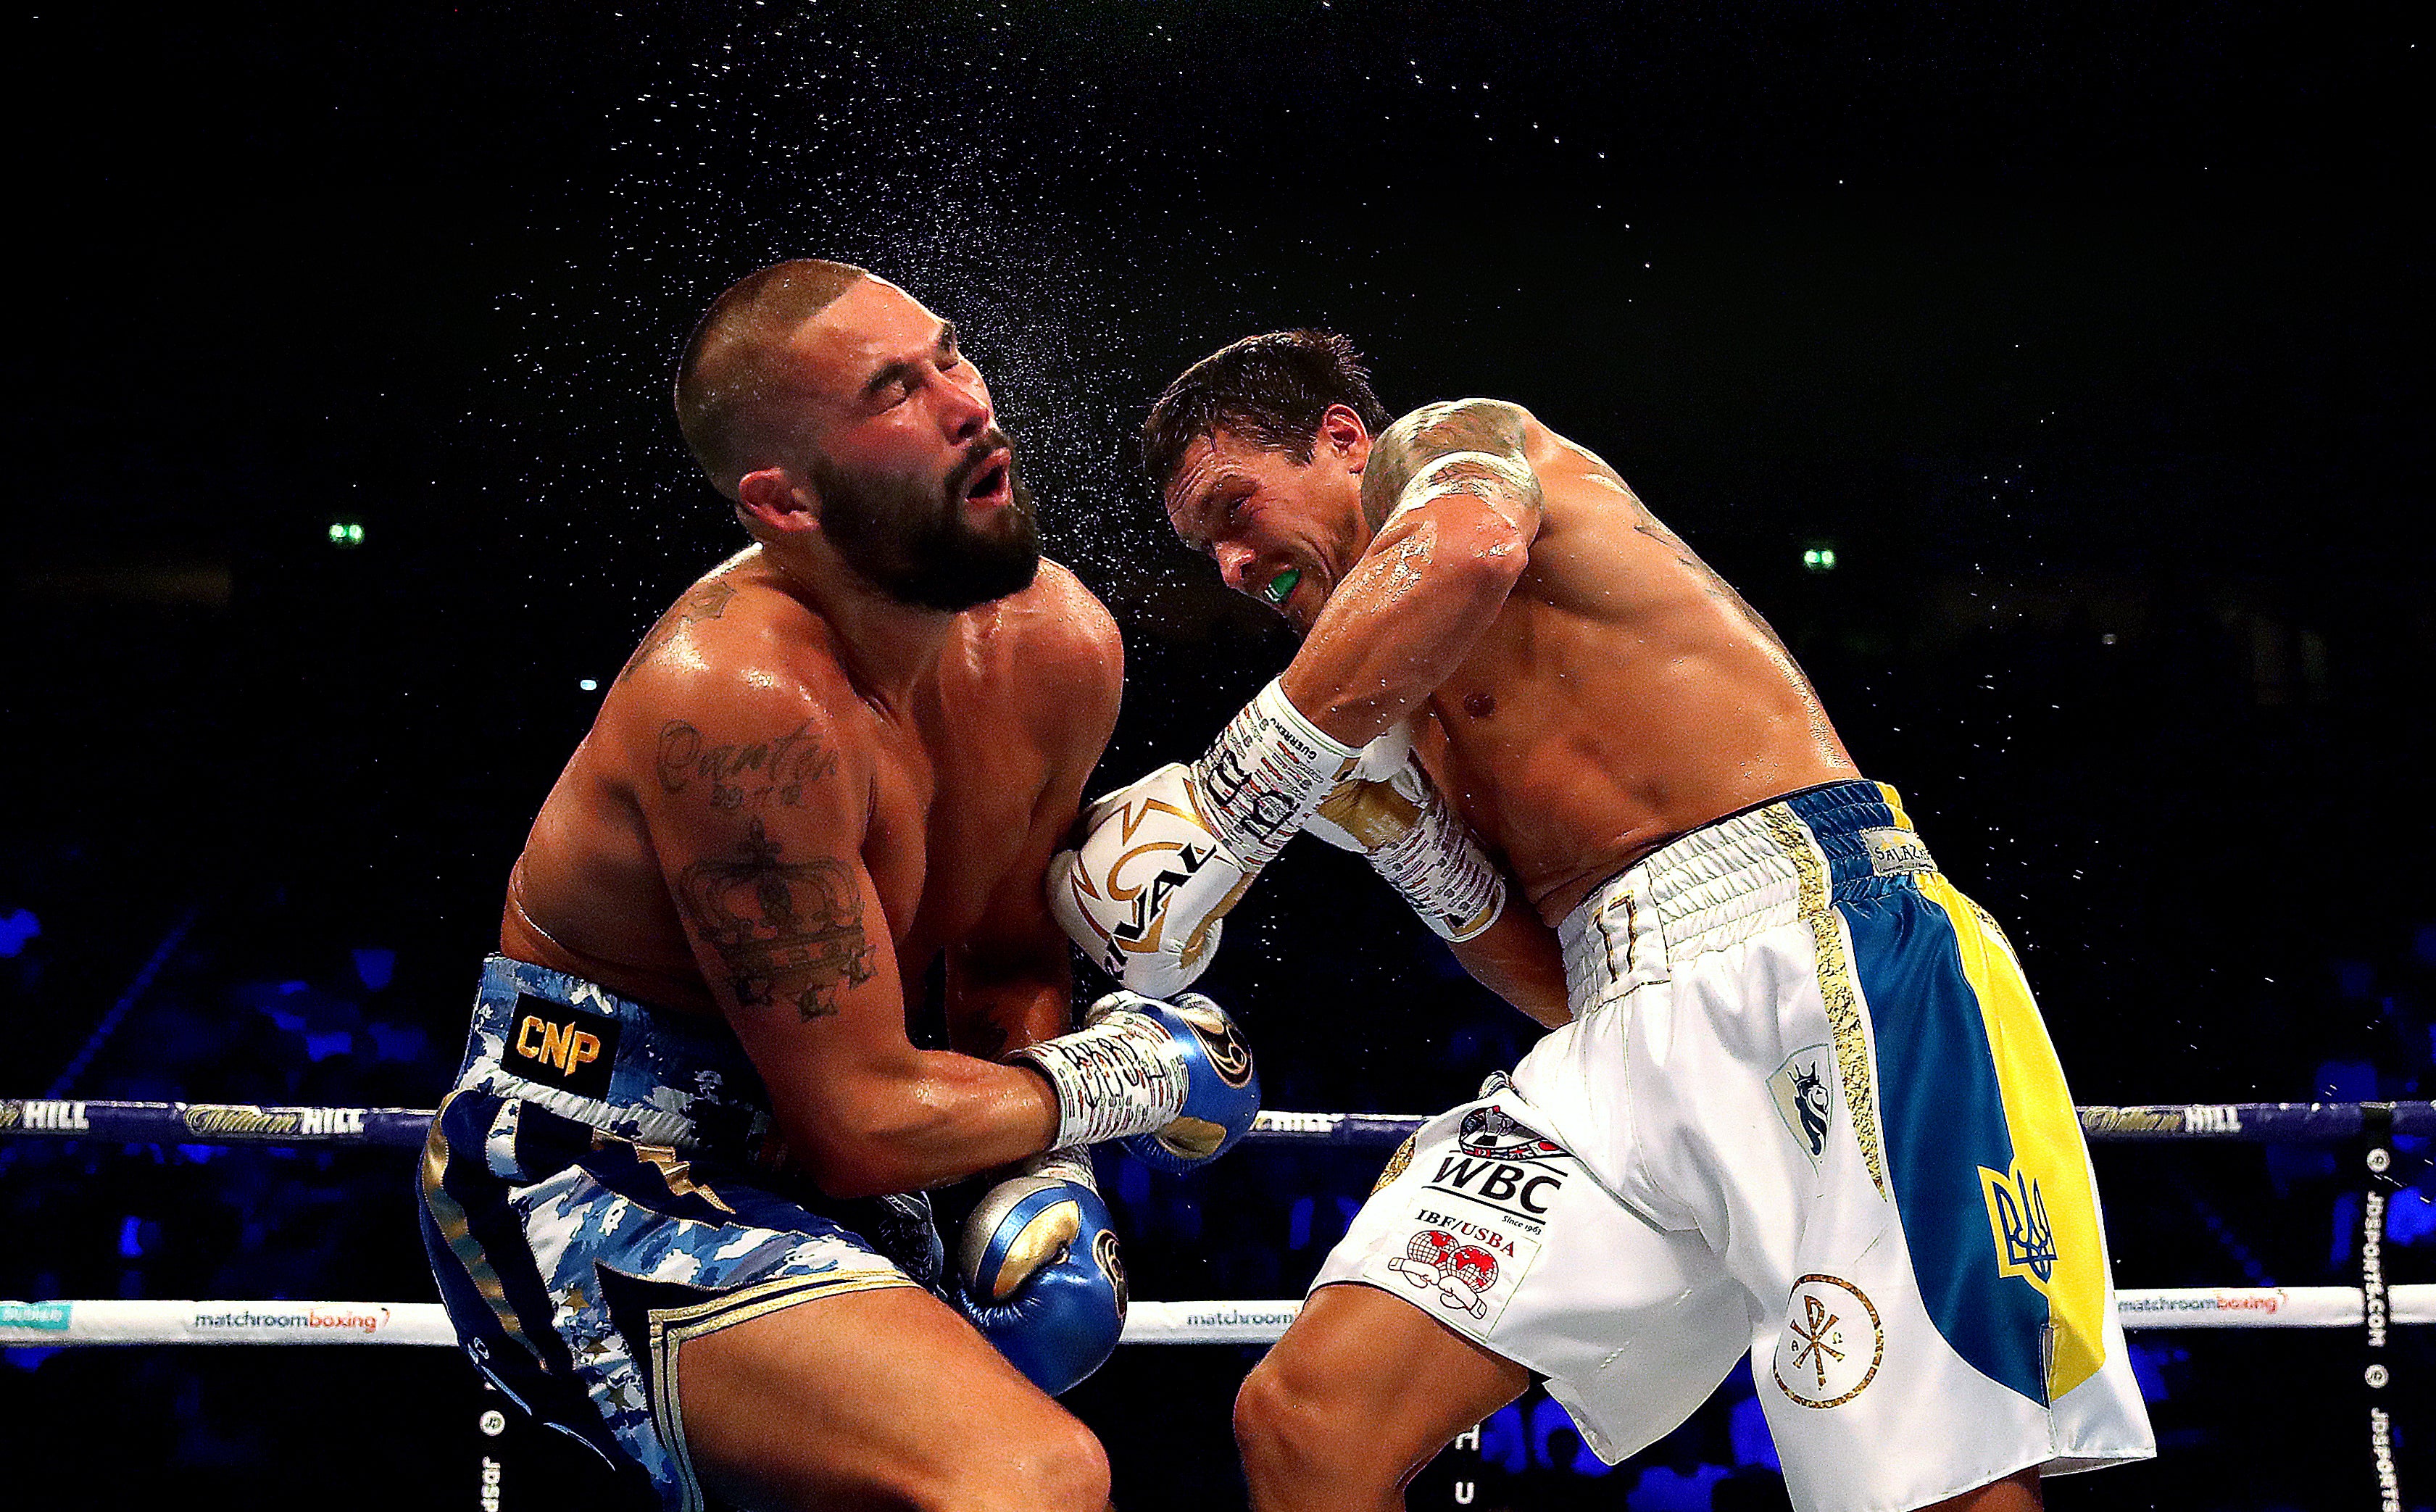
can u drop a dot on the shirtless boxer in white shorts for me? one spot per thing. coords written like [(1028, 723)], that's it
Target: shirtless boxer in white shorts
[(1797, 1100)]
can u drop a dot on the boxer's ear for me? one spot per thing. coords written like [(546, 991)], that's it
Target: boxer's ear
[(1343, 437), (776, 500)]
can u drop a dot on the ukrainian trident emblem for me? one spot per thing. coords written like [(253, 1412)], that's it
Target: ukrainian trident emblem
[(2018, 1218)]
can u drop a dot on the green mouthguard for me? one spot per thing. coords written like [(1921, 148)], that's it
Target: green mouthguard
[(1280, 586)]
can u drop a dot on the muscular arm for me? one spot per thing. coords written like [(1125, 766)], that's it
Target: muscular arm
[(1010, 982), (1440, 567), (1517, 958), (787, 929)]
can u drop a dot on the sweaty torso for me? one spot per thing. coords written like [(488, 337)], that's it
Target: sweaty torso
[(950, 781), (1623, 695)]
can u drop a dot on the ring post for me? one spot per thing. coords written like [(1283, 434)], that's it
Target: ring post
[(2378, 1183)]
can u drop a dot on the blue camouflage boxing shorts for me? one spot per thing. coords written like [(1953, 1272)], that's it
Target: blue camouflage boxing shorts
[(606, 1181)]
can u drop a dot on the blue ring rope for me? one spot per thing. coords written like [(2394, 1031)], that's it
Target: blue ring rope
[(227, 1124)]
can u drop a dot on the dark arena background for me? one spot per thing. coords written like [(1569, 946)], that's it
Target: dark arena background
[(2055, 379)]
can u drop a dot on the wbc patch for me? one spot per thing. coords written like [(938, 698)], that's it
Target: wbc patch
[(1479, 1218), (1493, 1131), (562, 1047), (1501, 1164)]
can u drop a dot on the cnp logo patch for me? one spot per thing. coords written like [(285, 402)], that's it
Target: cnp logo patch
[(562, 1047)]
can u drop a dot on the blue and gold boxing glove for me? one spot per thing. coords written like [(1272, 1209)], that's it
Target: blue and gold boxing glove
[(1040, 1273), (1174, 1081)]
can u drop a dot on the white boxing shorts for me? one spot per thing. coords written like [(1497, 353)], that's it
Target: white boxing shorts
[(1806, 1108)]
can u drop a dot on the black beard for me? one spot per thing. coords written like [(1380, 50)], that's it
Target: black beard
[(909, 541)]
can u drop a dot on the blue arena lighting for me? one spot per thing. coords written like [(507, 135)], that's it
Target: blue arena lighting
[(1747, 1428), (18, 928), (1503, 1441)]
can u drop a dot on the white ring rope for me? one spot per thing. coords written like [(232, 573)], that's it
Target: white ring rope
[(53, 1324)]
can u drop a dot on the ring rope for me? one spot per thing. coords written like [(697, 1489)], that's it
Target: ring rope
[(403, 1128), (2372, 1308), (53, 1325)]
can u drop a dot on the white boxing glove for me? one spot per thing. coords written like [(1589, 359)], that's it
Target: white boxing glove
[(1392, 813), (1163, 858)]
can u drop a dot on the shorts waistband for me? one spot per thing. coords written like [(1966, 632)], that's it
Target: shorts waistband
[(641, 1073), (1727, 879)]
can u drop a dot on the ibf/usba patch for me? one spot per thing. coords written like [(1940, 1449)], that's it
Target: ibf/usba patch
[(1461, 1270)]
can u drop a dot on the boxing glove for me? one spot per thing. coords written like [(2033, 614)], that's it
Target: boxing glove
[(1038, 1271), (1173, 1081), (1163, 858)]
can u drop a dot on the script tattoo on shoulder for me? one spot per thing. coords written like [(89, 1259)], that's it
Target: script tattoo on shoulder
[(741, 774), (705, 601), (787, 931)]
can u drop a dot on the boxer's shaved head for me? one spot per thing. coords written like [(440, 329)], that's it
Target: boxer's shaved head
[(736, 395), (1269, 389)]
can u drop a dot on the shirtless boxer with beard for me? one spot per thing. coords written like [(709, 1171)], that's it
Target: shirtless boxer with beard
[(674, 1203), (1797, 1101)]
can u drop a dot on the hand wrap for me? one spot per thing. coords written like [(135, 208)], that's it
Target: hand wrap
[(1174, 1081), (1266, 774), (1395, 816)]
